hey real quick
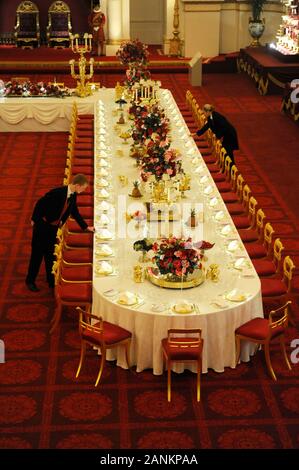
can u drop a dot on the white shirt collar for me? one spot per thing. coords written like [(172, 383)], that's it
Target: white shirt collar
[(69, 192)]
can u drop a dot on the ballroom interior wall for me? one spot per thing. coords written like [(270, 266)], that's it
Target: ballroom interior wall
[(211, 27)]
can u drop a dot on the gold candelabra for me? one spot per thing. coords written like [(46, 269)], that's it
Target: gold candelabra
[(83, 86)]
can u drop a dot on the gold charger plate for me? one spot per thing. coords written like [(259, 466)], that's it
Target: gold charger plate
[(182, 313), (155, 278)]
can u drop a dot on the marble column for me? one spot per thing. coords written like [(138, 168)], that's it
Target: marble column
[(118, 27)]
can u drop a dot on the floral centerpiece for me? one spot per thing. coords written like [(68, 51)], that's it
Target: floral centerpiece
[(135, 74), (27, 88), (133, 52), (160, 160), (177, 256), (178, 261), (150, 123)]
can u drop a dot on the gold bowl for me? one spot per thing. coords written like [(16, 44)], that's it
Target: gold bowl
[(165, 281)]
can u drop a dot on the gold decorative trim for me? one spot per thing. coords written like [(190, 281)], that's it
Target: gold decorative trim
[(59, 7), (275, 81), (27, 7), (155, 278)]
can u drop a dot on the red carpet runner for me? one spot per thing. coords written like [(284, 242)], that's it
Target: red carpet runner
[(42, 406)]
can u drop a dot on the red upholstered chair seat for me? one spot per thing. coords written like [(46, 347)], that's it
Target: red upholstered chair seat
[(83, 145), (86, 170), (241, 221), (273, 287), (89, 162), (206, 152), (230, 197), (80, 133), (85, 126), (256, 250), (74, 227), (209, 159), (83, 240), (87, 117), (248, 235), (84, 141), (77, 293), (77, 273), (234, 208), (224, 187), (175, 353), (84, 153), (219, 178), (85, 200), (86, 212), (202, 144), (264, 267), (111, 334), (213, 167), (258, 328), (78, 256)]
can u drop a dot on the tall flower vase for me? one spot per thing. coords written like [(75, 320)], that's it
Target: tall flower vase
[(256, 29)]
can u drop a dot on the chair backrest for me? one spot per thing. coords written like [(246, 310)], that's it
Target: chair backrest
[(259, 223), (175, 336), (27, 19), (278, 318), (239, 186), (227, 164), (252, 203), (288, 268), (246, 195), (277, 252), (233, 176), (59, 19), (268, 235), (85, 325)]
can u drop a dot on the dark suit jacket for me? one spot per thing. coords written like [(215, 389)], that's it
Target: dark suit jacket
[(50, 206), (222, 128)]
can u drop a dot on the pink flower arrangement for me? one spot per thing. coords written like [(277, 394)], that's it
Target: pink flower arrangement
[(160, 160), (178, 256), (25, 89)]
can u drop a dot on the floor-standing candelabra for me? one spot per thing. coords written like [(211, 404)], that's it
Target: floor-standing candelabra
[(83, 87)]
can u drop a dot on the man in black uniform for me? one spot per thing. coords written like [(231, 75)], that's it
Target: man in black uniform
[(222, 128), (50, 212)]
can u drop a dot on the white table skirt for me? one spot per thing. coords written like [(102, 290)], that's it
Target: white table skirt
[(148, 327), (42, 114)]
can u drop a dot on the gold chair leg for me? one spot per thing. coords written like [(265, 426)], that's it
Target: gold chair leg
[(56, 318), (168, 380), (238, 349), (268, 361), (198, 382), (103, 360), (127, 350), (284, 352), (82, 355)]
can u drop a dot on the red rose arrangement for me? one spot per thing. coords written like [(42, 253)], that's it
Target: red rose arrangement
[(133, 53), (177, 256)]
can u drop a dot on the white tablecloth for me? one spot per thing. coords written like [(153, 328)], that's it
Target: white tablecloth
[(218, 323), (42, 114)]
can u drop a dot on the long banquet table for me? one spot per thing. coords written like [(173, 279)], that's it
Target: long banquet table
[(215, 315)]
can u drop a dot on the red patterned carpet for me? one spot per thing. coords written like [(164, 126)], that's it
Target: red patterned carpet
[(42, 406)]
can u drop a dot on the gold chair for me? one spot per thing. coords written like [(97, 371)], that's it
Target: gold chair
[(180, 346), (27, 31), (101, 335), (59, 26), (262, 331)]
